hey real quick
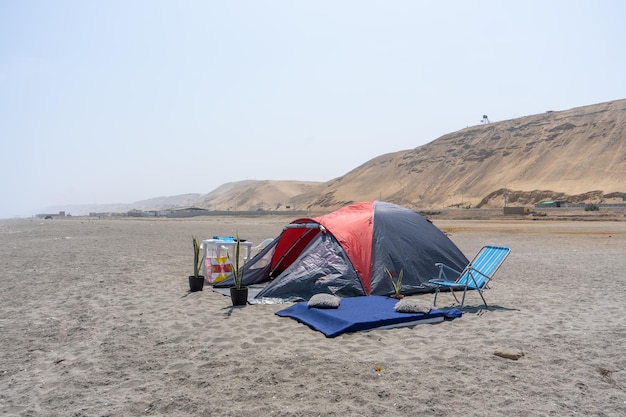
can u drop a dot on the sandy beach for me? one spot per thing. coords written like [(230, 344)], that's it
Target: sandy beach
[(97, 320)]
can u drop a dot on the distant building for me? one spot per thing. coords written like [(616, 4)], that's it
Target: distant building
[(187, 212), (547, 204), (510, 211)]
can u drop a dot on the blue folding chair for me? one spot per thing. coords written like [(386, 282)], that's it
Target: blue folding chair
[(476, 275)]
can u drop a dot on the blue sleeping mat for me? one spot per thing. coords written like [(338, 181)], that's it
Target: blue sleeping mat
[(361, 313)]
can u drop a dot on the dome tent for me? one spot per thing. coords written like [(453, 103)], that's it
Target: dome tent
[(346, 253)]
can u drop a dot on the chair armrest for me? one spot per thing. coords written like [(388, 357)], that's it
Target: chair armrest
[(449, 268), (442, 272)]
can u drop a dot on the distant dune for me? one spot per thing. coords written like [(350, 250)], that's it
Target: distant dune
[(256, 195), (577, 155)]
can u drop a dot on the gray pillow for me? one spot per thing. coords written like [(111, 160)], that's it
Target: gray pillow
[(408, 305), (324, 301)]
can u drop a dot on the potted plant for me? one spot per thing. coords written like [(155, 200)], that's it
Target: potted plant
[(397, 283), (196, 281), (238, 293)]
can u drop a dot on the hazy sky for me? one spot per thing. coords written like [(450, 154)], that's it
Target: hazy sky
[(119, 101)]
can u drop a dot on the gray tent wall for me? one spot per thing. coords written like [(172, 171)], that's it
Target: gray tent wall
[(404, 240), (322, 267), (256, 270)]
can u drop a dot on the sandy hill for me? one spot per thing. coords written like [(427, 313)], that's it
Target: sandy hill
[(577, 155)]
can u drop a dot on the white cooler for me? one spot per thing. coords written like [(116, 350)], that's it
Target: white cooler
[(216, 253)]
